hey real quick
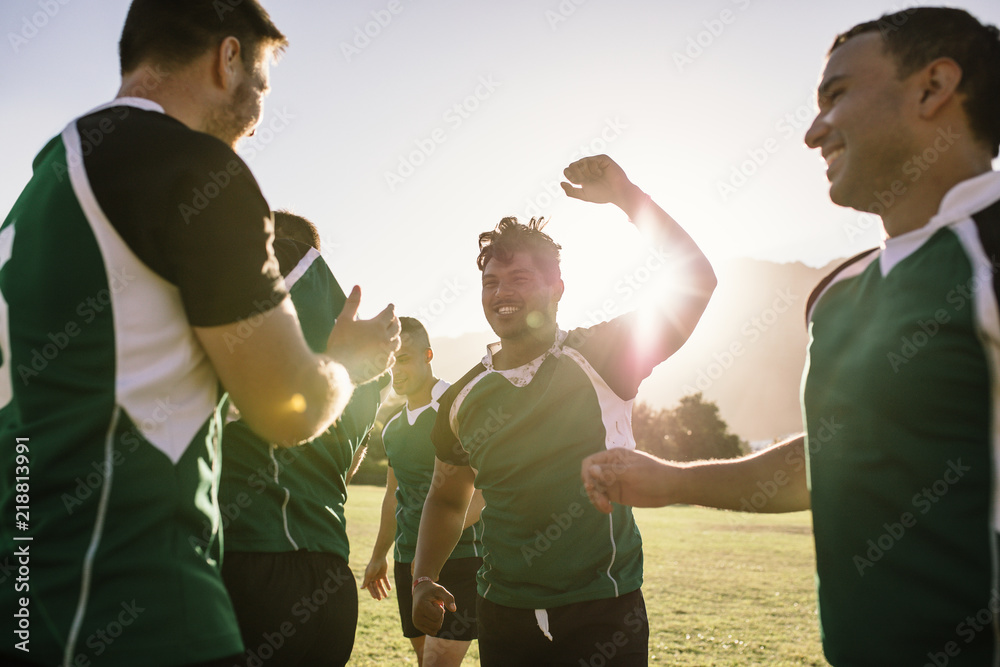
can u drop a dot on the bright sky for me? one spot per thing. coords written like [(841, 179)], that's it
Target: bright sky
[(404, 128)]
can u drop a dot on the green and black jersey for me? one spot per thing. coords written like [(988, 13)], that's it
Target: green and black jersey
[(276, 499), (525, 432), (132, 229), (407, 440), (900, 397)]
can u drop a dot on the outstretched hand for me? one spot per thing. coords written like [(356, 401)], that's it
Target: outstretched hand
[(598, 179), (366, 348), (626, 477)]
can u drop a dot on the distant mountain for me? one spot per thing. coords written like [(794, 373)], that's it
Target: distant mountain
[(746, 355)]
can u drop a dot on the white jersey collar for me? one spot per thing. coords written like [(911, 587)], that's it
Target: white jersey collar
[(958, 204)]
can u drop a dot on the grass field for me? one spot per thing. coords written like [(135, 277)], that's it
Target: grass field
[(721, 588)]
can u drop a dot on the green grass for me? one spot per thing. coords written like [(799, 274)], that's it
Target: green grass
[(721, 588)]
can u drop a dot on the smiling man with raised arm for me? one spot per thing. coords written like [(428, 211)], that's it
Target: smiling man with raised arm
[(560, 581)]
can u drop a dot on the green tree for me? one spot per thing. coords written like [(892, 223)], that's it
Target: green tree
[(691, 431)]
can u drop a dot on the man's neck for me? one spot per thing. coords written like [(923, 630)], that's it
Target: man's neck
[(422, 396), (522, 349), (922, 200)]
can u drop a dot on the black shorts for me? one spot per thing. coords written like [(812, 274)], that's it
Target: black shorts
[(294, 608), (459, 576), (596, 633)]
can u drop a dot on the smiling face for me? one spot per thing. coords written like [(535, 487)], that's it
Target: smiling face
[(517, 300), (862, 128), (412, 372)]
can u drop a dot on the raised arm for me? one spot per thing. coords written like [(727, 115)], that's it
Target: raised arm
[(600, 180), (284, 391), (441, 526), (376, 574), (773, 480)]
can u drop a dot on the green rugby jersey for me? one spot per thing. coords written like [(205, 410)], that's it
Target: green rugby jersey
[(407, 440), (526, 432), (102, 278), (900, 400), (276, 499)]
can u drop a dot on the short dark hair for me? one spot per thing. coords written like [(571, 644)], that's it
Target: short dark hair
[(175, 32), (919, 35), (287, 225), (511, 236), (412, 331)]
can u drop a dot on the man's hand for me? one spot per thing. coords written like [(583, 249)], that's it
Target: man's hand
[(376, 579), (429, 602), (601, 181), (365, 348), (626, 477)]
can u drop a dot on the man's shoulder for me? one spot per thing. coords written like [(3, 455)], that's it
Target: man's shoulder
[(448, 397), (141, 135), (846, 269)]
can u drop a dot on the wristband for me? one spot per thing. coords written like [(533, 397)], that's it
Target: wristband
[(420, 580)]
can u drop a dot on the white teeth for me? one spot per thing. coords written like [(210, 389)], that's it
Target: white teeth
[(508, 310), (833, 156)]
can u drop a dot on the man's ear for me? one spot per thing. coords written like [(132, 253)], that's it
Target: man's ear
[(558, 288), (939, 82), (227, 61), (430, 355)]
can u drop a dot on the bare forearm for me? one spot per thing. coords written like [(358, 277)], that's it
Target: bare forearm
[(441, 526), (771, 481), (387, 525)]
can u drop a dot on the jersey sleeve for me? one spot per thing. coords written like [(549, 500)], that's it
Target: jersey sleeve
[(223, 260), (620, 354), (447, 447), (189, 208)]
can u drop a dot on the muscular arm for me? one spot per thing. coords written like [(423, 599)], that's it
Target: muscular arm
[(773, 480), (285, 392), (686, 291), (441, 525), (376, 574)]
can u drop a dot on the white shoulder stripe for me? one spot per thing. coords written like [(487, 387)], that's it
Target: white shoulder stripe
[(391, 419), (300, 268), (615, 412), (851, 271), (163, 379), (453, 414)]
